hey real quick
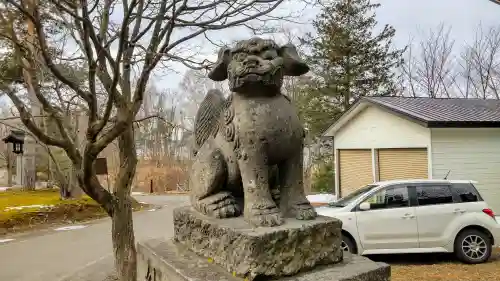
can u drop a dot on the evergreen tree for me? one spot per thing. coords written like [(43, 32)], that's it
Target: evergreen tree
[(324, 178), (348, 60)]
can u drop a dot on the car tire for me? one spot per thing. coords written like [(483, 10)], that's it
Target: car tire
[(473, 246), (348, 244)]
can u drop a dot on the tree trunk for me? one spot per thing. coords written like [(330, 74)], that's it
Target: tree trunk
[(28, 180), (124, 241), (56, 173), (64, 190), (122, 223), (74, 189)]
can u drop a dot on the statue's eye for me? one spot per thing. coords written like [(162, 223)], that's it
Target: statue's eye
[(269, 54), (239, 56)]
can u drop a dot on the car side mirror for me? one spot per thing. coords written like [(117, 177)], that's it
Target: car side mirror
[(365, 206)]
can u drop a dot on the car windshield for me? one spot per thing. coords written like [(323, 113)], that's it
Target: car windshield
[(344, 201)]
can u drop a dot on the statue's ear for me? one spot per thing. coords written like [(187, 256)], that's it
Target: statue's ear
[(293, 65), (219, 72)]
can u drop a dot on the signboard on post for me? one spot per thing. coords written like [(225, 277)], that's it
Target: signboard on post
[(101, 166)]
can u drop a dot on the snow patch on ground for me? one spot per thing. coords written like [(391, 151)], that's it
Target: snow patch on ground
[(321, 198), (152, 210), (71, 227), (6, 240), (3, 188), (29, 207), (137, 193)]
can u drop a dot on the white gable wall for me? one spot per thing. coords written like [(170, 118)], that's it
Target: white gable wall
[(469, 154), (377, 128)]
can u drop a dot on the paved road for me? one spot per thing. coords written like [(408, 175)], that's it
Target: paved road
[(55, 255)]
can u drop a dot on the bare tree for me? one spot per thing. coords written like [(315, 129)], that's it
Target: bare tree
[(480, 64), (118, 44), (435, 72), (430, 71), (193, 88)]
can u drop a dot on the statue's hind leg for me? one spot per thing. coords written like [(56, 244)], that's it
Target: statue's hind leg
[(293, 201), (207, 179)]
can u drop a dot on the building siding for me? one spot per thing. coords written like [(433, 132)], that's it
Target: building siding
[(469, 154), (376, 128)]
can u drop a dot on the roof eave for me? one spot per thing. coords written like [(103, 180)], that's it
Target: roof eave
[(362, 104), (464, 124), (345, 117)]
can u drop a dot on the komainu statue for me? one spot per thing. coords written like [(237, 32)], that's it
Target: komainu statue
[(249, 146)]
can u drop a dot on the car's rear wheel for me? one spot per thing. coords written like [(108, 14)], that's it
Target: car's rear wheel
[(473, 246), (347, 244)]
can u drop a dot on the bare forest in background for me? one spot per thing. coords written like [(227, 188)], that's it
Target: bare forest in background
[(440, 67), (163, 130)]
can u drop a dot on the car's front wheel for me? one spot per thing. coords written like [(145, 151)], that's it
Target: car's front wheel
[(347, 244), (473, 246)]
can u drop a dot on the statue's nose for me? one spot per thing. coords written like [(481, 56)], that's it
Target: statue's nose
[(251, 61)]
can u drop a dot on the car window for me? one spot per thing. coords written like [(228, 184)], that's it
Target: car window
[(434, 194), (353, 196), (466, 192), (392, 197)]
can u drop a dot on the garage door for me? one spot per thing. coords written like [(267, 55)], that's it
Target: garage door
[(402, 163), (355, 169)]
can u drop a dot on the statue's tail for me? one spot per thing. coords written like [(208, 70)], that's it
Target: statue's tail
[(207, 118)]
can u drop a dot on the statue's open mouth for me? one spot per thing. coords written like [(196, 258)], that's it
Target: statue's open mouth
[(251, 76), (257, 71)]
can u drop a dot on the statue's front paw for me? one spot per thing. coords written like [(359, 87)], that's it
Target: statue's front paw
[(264, 216), (304, 211), (220, 205)]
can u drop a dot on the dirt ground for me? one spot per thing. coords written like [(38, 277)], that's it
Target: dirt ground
[(440, 268)]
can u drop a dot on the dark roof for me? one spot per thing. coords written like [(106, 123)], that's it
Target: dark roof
[(15, 136), (443, 112)]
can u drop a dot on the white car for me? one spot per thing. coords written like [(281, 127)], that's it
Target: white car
[(417, 216)]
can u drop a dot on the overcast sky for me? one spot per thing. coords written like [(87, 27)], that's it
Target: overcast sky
[(410, 18)]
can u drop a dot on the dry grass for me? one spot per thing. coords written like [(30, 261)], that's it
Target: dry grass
[(440, 268), (165, 175), (59, 212)]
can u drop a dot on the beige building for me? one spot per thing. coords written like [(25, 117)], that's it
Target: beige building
[(386, 138)]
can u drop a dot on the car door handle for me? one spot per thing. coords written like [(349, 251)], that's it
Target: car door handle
[(459, 211), (408, 216)]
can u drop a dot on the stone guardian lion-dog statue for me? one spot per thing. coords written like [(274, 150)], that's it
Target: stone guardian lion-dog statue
[(249, 146)]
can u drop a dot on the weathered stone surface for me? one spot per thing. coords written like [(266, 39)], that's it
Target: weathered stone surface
[(250, 144), (239, 247), (161, 260)]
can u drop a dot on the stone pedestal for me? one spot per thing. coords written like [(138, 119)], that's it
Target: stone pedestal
[(160, 260), (263, 251), (207, 249)]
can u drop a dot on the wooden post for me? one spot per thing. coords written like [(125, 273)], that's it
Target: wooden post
[(151, 187)]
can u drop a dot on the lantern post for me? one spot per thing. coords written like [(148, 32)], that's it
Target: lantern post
[(16, 137)]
